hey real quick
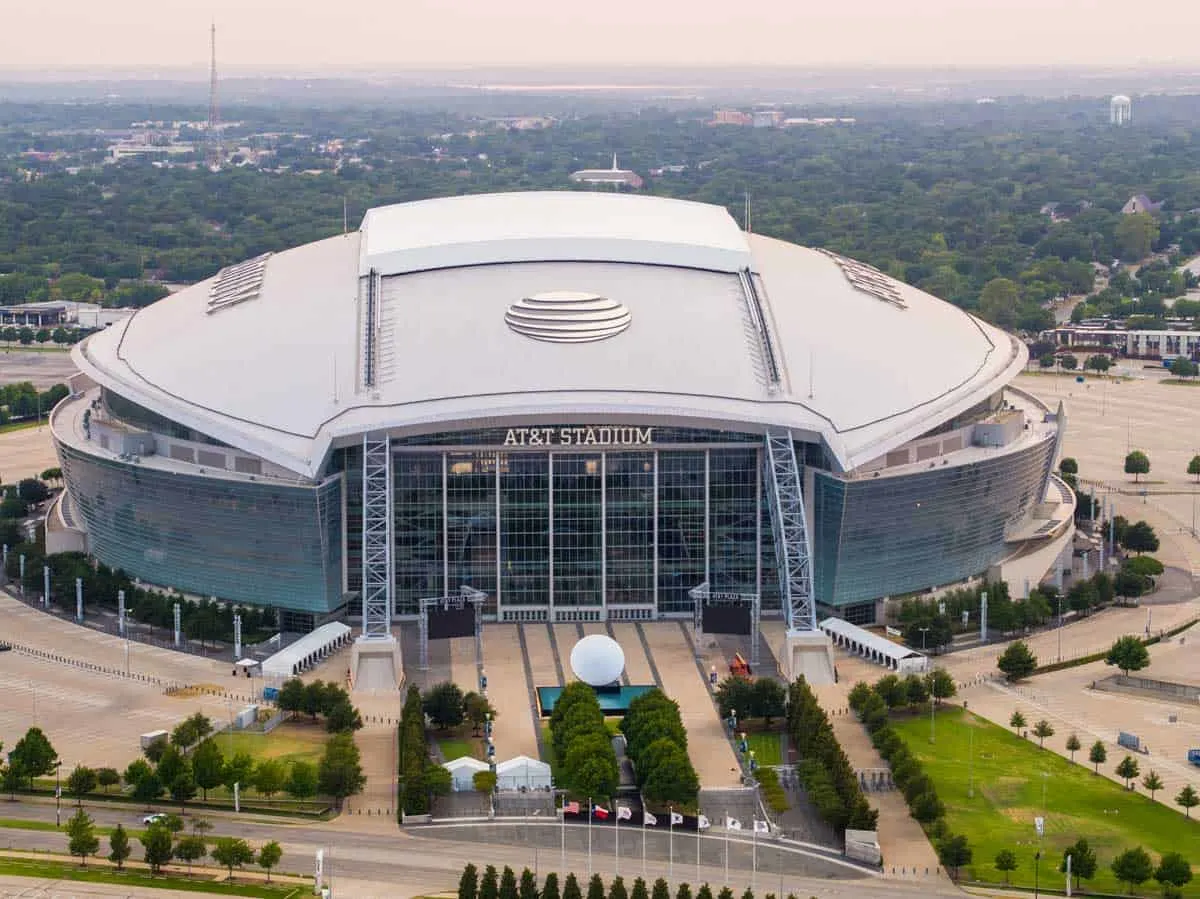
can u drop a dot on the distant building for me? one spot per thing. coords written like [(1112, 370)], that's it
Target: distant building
[(767, 118), (35, 314), (617, 177), (1114, 338), (1140, 203), (732, 117), (1120, 110)]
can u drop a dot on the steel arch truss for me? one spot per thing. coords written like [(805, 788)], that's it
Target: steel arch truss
[(793, 553), (377, 590)]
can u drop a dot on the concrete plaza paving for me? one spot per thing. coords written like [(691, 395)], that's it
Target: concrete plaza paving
[(508, 690), (636, 664), (26, 453)]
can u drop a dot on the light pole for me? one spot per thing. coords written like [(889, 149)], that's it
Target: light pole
[(1060, 627), (57, 794), (970, 756)]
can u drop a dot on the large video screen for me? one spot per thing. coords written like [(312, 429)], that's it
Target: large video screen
[(447, 623), (726, 619)]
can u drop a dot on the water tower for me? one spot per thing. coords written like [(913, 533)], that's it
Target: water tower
[(1120, 110)]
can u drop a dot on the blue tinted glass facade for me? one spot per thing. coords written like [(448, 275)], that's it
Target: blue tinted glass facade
[(891, 535), (249, 542)]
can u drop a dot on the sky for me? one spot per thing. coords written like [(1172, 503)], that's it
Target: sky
[(307, 35)]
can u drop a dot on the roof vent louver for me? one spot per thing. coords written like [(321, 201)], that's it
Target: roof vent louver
[(869, 279), (237, 283), (568, 316)]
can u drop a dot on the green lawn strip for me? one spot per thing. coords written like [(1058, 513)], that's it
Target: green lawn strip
[(292, 741), (457, 747), (21, 425), (1186, 382), (1008, 782), (766, 747), (21, 867), (219, 799)]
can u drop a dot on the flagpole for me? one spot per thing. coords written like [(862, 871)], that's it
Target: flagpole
[(562, 853), (617, 840), (643, 844), (589, 838), (726, 847), (698, 817), (754, 856), (671, 843)]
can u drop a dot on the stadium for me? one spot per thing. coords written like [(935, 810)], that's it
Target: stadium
[(572, 406)]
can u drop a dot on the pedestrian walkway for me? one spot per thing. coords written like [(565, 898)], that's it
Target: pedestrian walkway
[(541, 655), (508, 691), (636, 665), (566, 636), (463, 668), (709, 748)]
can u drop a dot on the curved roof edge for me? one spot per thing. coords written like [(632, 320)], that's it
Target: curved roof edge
[(550, 226)]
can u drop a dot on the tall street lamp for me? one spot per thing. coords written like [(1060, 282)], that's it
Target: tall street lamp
[(57, 795)]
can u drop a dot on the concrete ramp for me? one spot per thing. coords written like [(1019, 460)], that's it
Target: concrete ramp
[(376, 665), (808, 653)]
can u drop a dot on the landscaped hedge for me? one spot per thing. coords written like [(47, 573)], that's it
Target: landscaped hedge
[(828, 779), (656, 742), (414, 756)]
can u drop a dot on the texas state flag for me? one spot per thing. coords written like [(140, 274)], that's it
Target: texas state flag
[(601, 813)]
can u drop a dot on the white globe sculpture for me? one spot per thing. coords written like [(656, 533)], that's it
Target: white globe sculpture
[(597, 660)]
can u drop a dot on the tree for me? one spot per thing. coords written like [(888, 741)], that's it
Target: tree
[(268, 857), (342, 716), (158, 843), (1135, 236), (191, 730), (1128, 769), (82, 839), (148, 788), (269, 777), (1129, 584), (1098, 755), (1068, 466), (1187, 799), (684, 891), (954, 852), (171, 764), (570, 888), (1073, 745), (468, 883), (238, 770), (1139, 537), (1129, 654), (33, 755), (183, 787), (1133, 866), (489, 885), (291, 696), (136, 770), (302, 780), (770, 699), (443, 705), (616, 889), (232, 852), (1137, 463), (508, 884), (1152, 782), (118, 847), (191, 849), (107, 777), (1173, 870), (941, 684), (1144, 566), (1017, 661), (660, 890), (915, 688), (340, 772), (927, 807), (81, 781), (476, 708), (155, 749), (550, 887), (1083, 861), (1068, 361), (595, 888), (638, 892), (1099, 362), (314, 699), (1017, 721), (208, 766), (438, 780), (998, 302), (1041, 730), (484, 781), (1193, 467), (1006, 863)]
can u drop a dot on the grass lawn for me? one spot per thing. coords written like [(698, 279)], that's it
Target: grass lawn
[(767, 747), (99, 872), (292, 741), (1008, 777), (457, 747)]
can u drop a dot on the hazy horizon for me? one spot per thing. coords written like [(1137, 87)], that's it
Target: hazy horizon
[(305, 36)]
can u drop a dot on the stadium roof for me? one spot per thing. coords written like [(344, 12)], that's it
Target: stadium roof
[(269, 356)]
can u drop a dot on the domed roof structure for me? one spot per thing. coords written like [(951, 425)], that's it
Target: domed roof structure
[(598, 660)]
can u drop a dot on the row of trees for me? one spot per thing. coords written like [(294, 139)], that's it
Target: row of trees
[(164, 841), (1132, 867), (930, 624), (1129, 653), (584, 760), (419, 778), (26, 336), (202, 619), (872, 705), (329, 700), (656, 742), (22, 401), (446, 707), (505, 884), (824, 770)]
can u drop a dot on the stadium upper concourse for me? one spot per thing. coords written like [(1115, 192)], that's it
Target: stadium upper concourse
[(575, 395)]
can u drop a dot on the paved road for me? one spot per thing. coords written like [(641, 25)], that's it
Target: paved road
[(428, 860)]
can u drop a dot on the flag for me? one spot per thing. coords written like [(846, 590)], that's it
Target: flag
[(676, 818), (648, 818), (702, 823), (571, 808), (761, 826), (624, 813), (599, 812), (733, 824)]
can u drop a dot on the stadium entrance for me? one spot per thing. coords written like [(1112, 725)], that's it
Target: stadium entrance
[(580, 523)]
